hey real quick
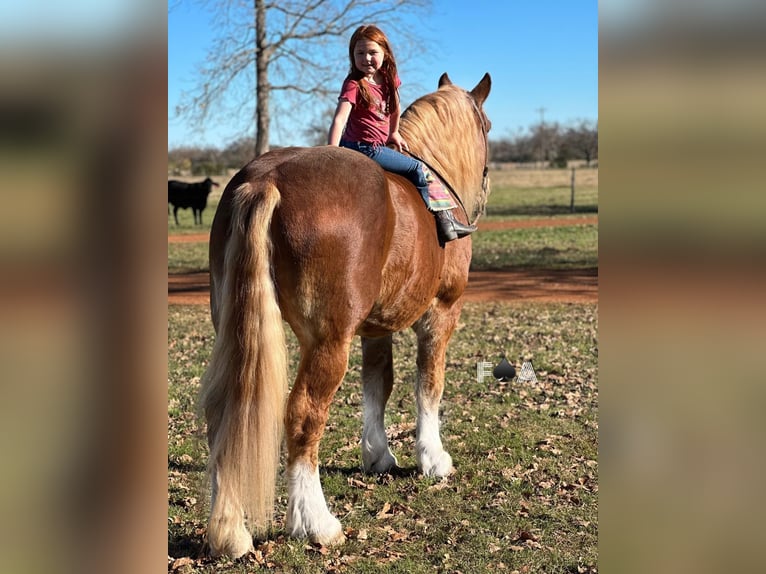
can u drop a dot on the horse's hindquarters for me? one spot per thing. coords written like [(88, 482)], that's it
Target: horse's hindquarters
[(331, 235)]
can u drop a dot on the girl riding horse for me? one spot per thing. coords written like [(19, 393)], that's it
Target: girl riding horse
[(367, 118)]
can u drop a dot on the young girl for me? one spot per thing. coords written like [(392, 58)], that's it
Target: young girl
[(367, 118)]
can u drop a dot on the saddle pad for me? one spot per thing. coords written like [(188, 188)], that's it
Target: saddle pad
[(439, 198)]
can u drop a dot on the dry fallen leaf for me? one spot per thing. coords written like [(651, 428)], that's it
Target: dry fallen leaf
[(524, 535), (359, 484), (181, 562), (384, 511)]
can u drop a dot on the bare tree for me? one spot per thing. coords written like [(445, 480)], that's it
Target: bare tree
[(238, 152), (316, 132), (290, 49), (582, 140)]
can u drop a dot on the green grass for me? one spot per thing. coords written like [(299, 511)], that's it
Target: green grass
[(567, 247), (525, 490), (540, 247), (188, 257), (513, 202)]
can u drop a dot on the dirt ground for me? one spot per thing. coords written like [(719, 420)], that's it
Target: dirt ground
[(539, 285)]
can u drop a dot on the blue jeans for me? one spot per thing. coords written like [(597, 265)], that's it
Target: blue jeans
[(395, 162)]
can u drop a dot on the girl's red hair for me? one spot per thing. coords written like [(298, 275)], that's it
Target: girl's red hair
[(388, 69)]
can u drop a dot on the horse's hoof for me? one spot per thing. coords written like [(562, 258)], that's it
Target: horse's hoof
[(383, 465), (238, 546), (334, 539), (323, 528), (439, 466)]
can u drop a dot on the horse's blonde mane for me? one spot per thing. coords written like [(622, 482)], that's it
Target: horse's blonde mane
[(441, 128)]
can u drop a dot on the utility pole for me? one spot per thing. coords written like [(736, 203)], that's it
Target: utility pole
[(541, 153)]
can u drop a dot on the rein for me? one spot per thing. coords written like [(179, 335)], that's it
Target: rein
[(485, 173)]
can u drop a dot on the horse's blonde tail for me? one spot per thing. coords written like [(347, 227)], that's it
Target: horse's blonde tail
[(243, 390)]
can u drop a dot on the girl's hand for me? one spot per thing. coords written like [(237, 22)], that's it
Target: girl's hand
[(399, 144)]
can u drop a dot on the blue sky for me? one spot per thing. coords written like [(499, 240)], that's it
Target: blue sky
[(540, 54)]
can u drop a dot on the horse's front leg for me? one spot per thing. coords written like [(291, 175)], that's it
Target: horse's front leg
[(377, 382), (433, 330), (320, 374)]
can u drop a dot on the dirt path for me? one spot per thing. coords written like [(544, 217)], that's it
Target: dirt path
[(540, 285)]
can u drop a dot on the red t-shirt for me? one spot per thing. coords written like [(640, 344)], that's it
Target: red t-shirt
[(370, 125)]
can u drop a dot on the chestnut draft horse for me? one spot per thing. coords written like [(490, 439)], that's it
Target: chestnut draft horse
[(327, 240)]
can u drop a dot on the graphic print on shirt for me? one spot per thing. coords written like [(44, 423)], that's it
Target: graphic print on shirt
[(378, 108)]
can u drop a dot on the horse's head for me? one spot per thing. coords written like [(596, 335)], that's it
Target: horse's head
[(449, 130)]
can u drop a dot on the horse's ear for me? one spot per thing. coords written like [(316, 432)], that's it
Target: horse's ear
[(481, 91), (444, 80)]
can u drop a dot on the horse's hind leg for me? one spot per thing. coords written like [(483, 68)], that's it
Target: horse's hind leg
[(377, 382), (433, 330), (235, 539), (320, 374)]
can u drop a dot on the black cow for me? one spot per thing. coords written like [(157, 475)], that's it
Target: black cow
[(194, 195)]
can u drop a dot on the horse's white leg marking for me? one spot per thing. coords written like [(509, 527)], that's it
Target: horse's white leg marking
[(307, 513), (377, 381), (433, 331), (432, 459)]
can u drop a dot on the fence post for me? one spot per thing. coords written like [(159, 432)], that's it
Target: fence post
[(572, 187)]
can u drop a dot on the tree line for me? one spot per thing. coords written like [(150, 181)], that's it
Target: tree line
[(547, 144)]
